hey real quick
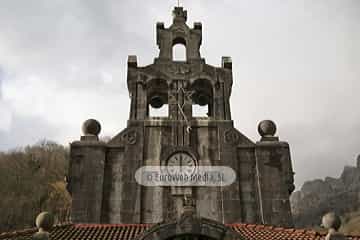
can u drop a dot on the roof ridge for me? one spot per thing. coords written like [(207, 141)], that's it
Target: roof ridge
[(28, 230), (17, 232), (279, 228), (104, 225)]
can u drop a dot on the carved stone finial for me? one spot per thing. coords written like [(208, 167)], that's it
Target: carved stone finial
[(179, 14), (91, 129), (132, 61), (332, 222), (267, 130), (226, 62), (44, 222)]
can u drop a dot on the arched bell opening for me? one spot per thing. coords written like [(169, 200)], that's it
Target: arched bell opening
[(202, 98), (157, 98), (179, 49)]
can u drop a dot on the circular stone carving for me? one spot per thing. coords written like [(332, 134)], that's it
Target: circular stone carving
[(91, 127), (130, 137), (267, 128), (45, 221), (231, 136), (179, 163), (331, 220)]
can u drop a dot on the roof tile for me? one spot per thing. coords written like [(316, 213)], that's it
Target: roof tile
[(130, 231)]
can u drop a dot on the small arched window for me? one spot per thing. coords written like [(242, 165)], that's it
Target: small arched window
[(179, 49), (179, 52)]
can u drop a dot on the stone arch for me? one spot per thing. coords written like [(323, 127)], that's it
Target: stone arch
[(179, 40), (157, 94), (179, 49), (190, 227), (203, 94), (179, 32)]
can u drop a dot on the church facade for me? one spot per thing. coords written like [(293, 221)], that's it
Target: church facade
[(101, 175)]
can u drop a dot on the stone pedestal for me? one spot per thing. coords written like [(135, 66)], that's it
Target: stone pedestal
[(275, 182), (86, 172)]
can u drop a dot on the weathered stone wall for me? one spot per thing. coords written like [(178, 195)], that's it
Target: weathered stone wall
[(152, 207), (86, 173), (272, 173), (114, 185), (204, 139), (248, 185), (260, 193)]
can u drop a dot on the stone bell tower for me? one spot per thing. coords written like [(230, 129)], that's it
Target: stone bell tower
[(101, 175)]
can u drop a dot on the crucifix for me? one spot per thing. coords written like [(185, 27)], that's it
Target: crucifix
[(187, 95)]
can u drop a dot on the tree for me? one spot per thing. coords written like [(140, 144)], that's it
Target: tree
[(32, 180)]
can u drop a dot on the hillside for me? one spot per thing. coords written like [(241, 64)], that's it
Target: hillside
[(318, 196), (32, 181)]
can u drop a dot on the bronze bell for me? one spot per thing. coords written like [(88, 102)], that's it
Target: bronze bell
[(202, 100), (156, 101)]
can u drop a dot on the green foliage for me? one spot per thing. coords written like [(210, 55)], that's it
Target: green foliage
[(32, 181)]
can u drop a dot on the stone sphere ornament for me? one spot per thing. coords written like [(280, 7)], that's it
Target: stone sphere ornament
[(331, 221), (44, 221), (91, 127), (267, 128)]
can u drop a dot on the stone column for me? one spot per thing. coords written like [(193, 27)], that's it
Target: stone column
[(274, 177), (86, 174)]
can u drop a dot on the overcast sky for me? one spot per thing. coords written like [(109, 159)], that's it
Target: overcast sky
[(296, 62)]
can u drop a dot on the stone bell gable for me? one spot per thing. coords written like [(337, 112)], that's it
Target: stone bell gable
[(101, 175), (178, 33)]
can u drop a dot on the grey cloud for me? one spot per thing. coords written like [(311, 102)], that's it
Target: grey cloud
[(54, 41), (296, 62), (26, 130), (1, 80), (322, 148)]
